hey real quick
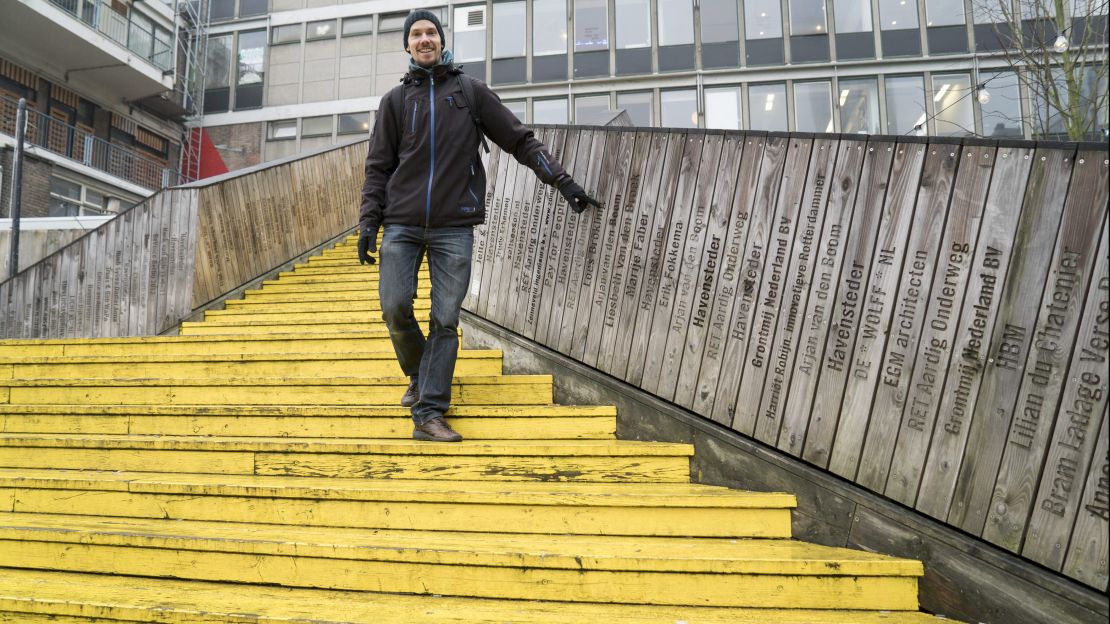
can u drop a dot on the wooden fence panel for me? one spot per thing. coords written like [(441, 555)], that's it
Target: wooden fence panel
[(528, 197), (688, 264), (876, 305), (755, 253), (548, 197), (950, 282), (653, 266), (706, 273), (616, 211), (497, 231), (779, 245), (1071, 449), (839, 213), (729, 281), (1055, 334), (630, 220), (591, 149), (1086, 559), (569, 225), (657, 148), (974, 335), (796, 287), (557, 256), (847, 307)]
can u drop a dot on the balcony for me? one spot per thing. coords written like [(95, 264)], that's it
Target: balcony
[(89, 42), (81, 147)]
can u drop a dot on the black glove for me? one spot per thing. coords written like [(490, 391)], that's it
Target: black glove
[(576, 197), (367, 244)]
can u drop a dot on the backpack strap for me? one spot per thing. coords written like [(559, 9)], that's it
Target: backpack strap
[(467, 84)]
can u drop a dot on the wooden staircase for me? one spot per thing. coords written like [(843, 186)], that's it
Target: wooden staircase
[(257, 468)]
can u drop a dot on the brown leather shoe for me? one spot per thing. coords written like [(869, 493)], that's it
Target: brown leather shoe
[(412, 393), (436, 430)]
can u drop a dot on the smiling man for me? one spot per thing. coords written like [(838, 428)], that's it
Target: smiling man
[(424, 184)]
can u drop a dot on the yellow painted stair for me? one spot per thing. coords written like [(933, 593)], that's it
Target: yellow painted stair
[(257, 468)]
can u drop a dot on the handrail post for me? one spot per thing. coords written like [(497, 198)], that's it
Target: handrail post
[(17, 185)]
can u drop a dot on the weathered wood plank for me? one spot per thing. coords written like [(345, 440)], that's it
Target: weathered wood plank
[(630, 220), (615, 213), (796, 288), (755, 251), (532, 199), (524, 197), (950, 281), (699, 347), (974, 335), (561, 231), (899, 211), (482, 231), (826, 281), (1071, 449), (653, 258), (739, 212), (497, 215), (1045, 367), (689, 265), (545, 211), (844, 327), (1087, 552), (780, 243), (599, 180), (509, 207), (671, 259)]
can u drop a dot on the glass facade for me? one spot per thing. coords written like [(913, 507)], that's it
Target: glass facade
[(722, 108), (905, 104), (553, 111), (1001, 113), (813, 110), (589, 109), (767, 106), (859, 106), (639, 106), (679, 108), (952, 98)]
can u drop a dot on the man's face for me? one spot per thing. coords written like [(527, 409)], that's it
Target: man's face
[(425, 45)]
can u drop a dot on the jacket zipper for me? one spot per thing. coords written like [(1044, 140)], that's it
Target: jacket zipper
[(432, 165), (470, 186), (543, 161)]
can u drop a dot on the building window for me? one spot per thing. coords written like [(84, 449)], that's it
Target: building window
[(1002, 112), (549, 40), (252, 56), (290, 33), (354, 123), (809, 33), (945, 26), (905, 105), (470, 38), (952, 109), (898, 26), (854, 39), (676, 35), (813, 106), (284, 129), (248, 8), (73, 199), (321, 30), (221, 10), (763, 30), (588, 109), (509, 33), (519, 108), (591, 38), (316, 126), (393, 22), (639, 106), (633, 25), (767, 106), (358, 25), (217, 75), (553, 111), (859, 106), (679, 109), (720, 34), (722, 108)]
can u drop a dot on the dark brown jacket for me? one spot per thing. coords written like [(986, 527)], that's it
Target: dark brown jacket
[(431, 173)]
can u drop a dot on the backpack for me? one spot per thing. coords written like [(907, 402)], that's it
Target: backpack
[(397, 100)]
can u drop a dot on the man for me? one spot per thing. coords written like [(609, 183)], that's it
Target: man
[(425, 183)]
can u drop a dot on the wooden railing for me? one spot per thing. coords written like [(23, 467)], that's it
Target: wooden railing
[(926, 318), (144, 271)]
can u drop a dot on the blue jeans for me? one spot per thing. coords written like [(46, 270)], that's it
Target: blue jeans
[(429, 361)]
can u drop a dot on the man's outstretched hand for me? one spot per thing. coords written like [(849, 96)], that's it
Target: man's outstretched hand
[(367, 244), (577, 197)]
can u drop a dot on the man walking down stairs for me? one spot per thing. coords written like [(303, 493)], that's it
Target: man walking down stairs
[(257, 468)]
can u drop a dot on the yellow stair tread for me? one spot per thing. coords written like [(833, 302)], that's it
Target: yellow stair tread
[(573, 552), (463, 411), (517, 448), (193, 602), (355, 354), (373, 333), (476, 380), (681, 495)]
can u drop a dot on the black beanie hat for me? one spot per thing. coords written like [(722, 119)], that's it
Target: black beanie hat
[(416, 16)]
